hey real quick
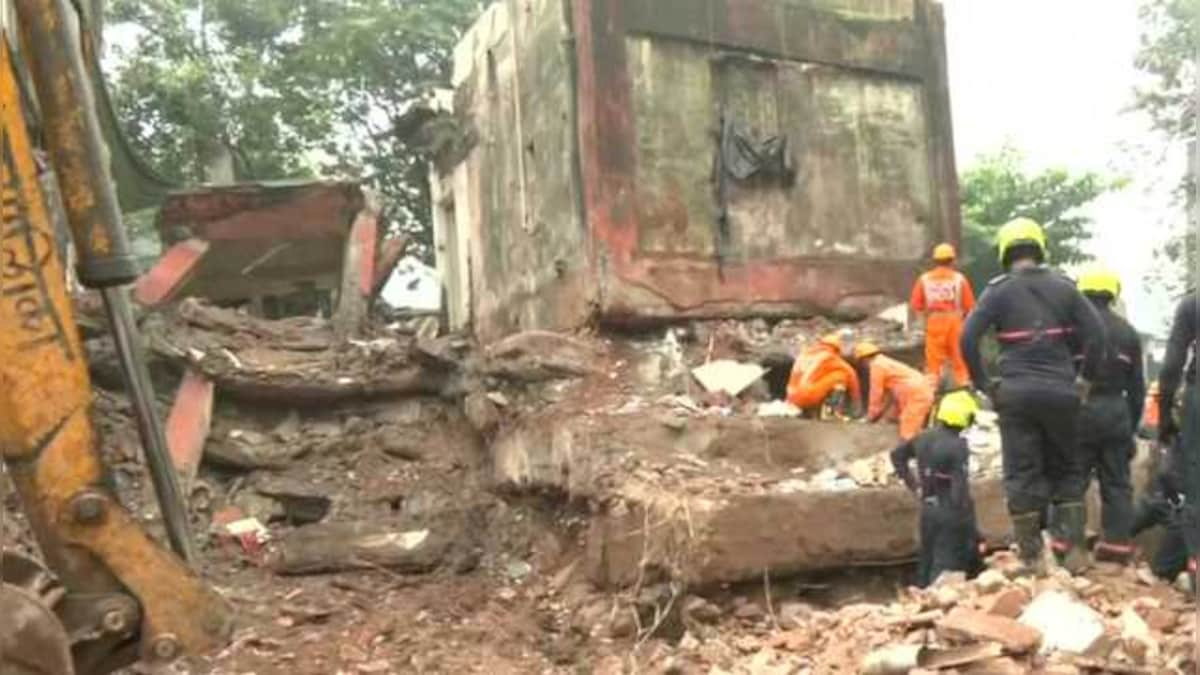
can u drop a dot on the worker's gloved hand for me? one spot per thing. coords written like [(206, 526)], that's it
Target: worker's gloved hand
[(1083, 388)]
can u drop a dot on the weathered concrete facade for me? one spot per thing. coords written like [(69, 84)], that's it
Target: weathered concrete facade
[(589, 187)]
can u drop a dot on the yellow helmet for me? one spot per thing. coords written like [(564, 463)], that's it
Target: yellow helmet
[(865, 350), (1020, 231), (1097, 278), (944, 253), (833, 340), (957, 409)]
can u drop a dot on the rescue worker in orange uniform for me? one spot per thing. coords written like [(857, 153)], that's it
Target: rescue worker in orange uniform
[(910, 394), (1149, 423), (944, 296), (820, 375)]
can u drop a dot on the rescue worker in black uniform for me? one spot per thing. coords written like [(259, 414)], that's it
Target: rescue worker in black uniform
[(948, 532), (1179, 368), (1163, 506), (1041, 322), (1110, 416)]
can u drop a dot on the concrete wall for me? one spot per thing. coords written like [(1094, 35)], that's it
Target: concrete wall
[(511, 245), (588, 191)]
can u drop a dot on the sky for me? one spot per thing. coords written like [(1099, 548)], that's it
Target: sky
[(1055, 78)]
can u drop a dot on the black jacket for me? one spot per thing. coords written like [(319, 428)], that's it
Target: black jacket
[(1181, 352), (941, 454), (1041, 322), (1121, 371)]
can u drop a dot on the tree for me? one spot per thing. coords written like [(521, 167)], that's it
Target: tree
[(286, 88), (1170, 57), (999, 188)]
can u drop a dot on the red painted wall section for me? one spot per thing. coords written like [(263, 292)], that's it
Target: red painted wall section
[(189, 423), (366, 237), (606, 130), (173, 270)]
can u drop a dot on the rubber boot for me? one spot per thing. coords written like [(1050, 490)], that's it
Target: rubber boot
[(1068, 521), (1027, 529)]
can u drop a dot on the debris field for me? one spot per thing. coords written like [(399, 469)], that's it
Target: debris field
[(578, 503)]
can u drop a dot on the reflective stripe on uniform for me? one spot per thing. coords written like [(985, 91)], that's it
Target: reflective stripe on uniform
[(1032, 335)]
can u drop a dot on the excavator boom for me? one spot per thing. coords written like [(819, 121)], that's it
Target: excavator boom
[(115, 594)]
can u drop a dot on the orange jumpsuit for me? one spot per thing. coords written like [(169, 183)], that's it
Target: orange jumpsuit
[(817, 370), (944, 296), (909, 390)]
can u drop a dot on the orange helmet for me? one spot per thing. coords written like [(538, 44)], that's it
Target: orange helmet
[(865, 350), (944, 253), (833, 340)]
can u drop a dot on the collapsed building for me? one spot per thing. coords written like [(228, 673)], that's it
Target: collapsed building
[(727, 174), (651, 206)]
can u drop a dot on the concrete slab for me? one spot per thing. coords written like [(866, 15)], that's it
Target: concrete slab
[(710, 500)]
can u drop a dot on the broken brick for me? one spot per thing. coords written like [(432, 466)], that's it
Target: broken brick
[(965, 625), (1008, 603), (1159, 619)]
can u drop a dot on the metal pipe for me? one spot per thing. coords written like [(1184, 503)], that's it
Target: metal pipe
[(150, 428)]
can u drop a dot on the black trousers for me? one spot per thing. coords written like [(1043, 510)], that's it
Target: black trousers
[(1156, 510), (949, 540), (1179, 517), (1040, 448), (1107, 446)]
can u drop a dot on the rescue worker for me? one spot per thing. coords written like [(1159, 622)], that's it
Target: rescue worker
[(822, 379), (1163, 507), (943, 296), (1149, 425), (1107, 422), (1041, 321), (911, 397), (1179, 368), (948, 532)]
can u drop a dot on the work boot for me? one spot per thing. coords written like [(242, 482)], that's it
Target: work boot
[(1027, 529), (1120, 553), (1068, 521)]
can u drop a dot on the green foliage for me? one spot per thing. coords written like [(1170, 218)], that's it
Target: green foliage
[(1170, 43), (1169, 56), (999, 188), (289, 88)]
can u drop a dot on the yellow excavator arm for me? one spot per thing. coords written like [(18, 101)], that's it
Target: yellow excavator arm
[(107, 593)]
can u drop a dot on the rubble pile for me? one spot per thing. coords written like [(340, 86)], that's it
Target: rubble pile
[(300, 359), (1112, 621), (400, 501)]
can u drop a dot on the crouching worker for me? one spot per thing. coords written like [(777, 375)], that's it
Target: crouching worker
[(949, 537), (895, 387), (822, 382)]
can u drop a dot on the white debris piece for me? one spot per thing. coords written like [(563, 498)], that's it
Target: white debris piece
[(728, 376), (778, 409), (896, 314), (1067, 625)]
